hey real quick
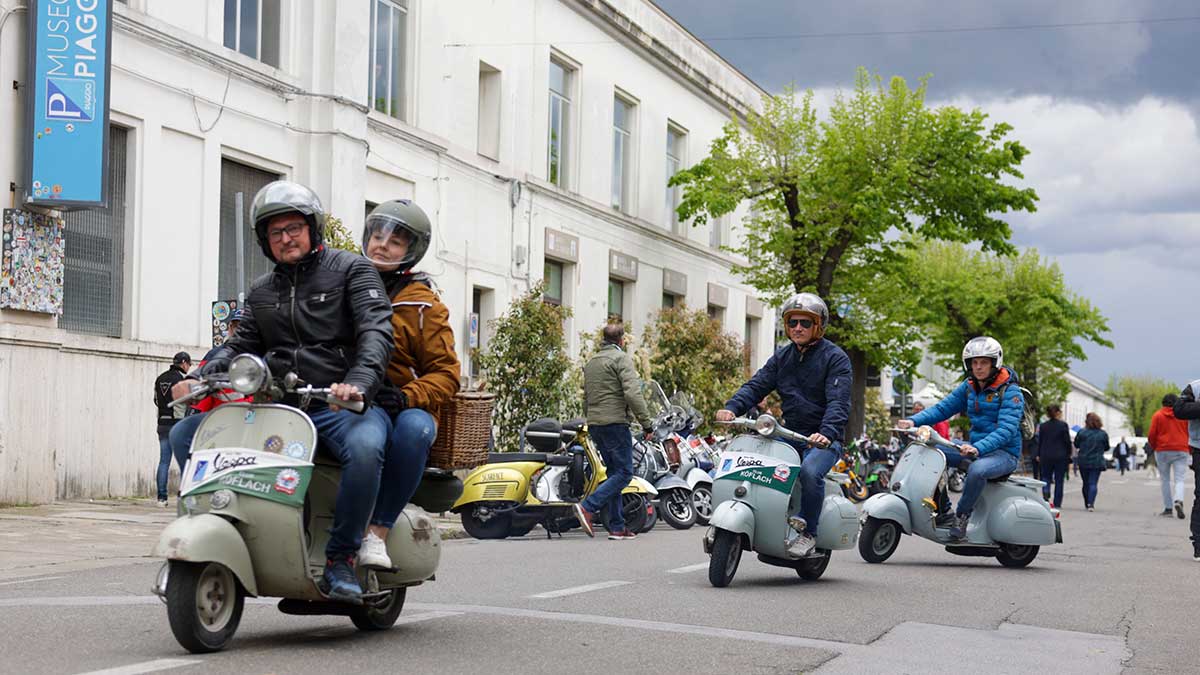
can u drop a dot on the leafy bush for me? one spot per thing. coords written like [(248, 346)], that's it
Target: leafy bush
[(337, 236), (527, 367), (877, 419)]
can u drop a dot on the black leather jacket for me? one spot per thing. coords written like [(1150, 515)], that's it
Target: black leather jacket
[(327, 317)]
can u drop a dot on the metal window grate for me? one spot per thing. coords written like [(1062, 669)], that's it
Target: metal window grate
[(94, 267), (237, 177)]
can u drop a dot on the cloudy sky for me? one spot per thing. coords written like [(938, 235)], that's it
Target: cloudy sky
[(1105, 94)]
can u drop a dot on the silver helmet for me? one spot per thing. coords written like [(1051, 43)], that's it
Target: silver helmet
[(983, 346), (810, 304), (284, 196)]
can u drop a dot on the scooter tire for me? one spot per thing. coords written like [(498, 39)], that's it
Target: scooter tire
[(878, 540), (702, 502), (954, 482), (1016, 557), (856, 491), (204, 605), (496, 527), (651, 518), (811, 569), (380, 616), (726, 554), (677, 509), (634, 508)]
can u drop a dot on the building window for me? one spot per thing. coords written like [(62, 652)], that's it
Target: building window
[(558, 155), (389, 49), (237, 177), (616, 299), (252, 28), (94, 266), (483, 307), (623, 154), (675, 146), (552, 272), (488, 141), (668, 301), (717, 314), (750, 345)]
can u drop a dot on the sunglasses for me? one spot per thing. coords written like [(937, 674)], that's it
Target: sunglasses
[(803, 323)]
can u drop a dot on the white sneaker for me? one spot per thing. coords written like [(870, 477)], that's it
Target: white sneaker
[(162, 503), (373, 553), (801, 545)]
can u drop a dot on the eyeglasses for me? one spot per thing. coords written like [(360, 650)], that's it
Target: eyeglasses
[(803, 323), (292, 232)]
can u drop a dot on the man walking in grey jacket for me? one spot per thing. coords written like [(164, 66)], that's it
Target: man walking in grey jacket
[(611, 390)]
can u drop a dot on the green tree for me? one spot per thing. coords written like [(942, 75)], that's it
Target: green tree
[(1141, 395), (828, 197), (690, 353), (337, 236), (526, 365), (1022, 301), (877, 420)]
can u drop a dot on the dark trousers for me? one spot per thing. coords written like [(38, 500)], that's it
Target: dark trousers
[(1195, 524), (615, 445), (1091, 482), (1123, 463), (1053, 472)]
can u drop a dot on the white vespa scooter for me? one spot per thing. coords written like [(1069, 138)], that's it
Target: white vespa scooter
[(1010, 522), (755, 490), (257, 501)]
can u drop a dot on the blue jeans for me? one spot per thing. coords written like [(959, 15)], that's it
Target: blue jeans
[(1091, 481), (164, 463), (413, 433), (991, 465), (1053, 473), (615, 445), (357, 442), (815, 464)]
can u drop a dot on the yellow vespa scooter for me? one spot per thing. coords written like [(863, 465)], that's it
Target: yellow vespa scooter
[(515, 491)]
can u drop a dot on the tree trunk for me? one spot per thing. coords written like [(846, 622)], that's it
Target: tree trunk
[(858, 393)]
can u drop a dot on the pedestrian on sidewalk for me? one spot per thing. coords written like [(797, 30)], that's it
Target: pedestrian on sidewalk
[(168, 415), (611, 391), (1054, 453), (1169, 438), (1092, 442), (1188, 408), (1151, 465), (1121, 453)]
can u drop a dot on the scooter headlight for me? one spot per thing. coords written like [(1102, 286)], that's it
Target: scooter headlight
[(247, 373), (924, 433), (764, 425)]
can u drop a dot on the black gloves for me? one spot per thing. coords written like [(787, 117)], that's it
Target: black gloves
[(391, 399)]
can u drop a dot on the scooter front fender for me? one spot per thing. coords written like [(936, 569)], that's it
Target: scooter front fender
[(734, 516), (639, 484), (207, 538), (697, 477), (671, 482), (887, 506)]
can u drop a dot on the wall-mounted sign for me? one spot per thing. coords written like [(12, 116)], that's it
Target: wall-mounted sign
[(718, 296), (68, 80), (621, 266), (754, 308), (473, 330), (222, 312), (674, 283), (31, 262), (562, 247)]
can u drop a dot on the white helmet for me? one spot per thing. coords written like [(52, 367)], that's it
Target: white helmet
[(982, 346), (810, 304)]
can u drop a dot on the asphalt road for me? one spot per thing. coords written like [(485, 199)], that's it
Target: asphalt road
[(1118, 596)]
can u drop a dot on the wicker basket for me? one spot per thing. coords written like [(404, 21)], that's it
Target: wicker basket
[(464, 429)]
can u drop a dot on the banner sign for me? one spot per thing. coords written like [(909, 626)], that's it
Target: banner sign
[(31, 262), (261, 474), (757, 469), (68, 81)]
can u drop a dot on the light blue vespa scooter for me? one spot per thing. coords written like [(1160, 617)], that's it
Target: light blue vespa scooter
[(756, 489), (1010, 522)]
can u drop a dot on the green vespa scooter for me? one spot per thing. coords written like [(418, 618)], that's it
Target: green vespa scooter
[(257, 501), (755, 489)]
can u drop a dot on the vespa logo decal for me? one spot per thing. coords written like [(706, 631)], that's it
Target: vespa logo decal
[(748, 461), (201, 469), (70, 99), (727, 464), (224, 462)]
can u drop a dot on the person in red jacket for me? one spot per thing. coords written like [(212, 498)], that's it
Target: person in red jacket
[(942, 427), (1169, 438)]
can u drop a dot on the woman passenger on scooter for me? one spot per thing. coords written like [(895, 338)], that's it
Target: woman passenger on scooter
[(423, 372), (993, 402)]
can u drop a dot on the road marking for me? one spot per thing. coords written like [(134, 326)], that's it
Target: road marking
[(690, 568), (580, 589), (145, 667), (28, 581)]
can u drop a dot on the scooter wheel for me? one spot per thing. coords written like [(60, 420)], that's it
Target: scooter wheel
[(1011, 555), (702, 502), (204, 605), (381, 615), (677, 509), (811, 569), (878, 540), (726, 554), (493, 526)]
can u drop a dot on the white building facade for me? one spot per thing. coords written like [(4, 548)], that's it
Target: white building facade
[(538, 135)]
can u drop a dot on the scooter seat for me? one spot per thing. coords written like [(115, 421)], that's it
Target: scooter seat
[(540, 457), (574, 425), (1000, 479)]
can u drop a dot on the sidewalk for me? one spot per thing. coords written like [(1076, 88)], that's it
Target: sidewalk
[(79, 535)]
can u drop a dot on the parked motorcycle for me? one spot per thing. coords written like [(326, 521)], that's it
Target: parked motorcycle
[(854, 488), (756, 490), (516, 491), (697, 458), (257, 503), (1010, 522), (658, 458)]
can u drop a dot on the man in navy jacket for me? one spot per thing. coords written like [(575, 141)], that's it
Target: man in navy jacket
[(813, 377)]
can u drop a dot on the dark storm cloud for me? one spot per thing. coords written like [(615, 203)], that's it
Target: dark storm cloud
[(1118, 63)]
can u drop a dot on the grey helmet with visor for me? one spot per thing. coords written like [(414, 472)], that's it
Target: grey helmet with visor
[(397, 217), (284, 196)]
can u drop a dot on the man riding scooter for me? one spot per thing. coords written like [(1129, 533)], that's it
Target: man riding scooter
[(323, 314), (993, 402), (812, 376)]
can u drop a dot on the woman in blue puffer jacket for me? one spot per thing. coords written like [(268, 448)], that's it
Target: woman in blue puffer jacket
[(993, 402)]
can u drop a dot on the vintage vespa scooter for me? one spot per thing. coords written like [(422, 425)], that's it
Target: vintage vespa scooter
[(756, 490), (1010, 522), (257, 501)]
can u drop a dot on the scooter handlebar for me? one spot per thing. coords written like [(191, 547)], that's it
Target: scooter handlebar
[(325, 394)]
